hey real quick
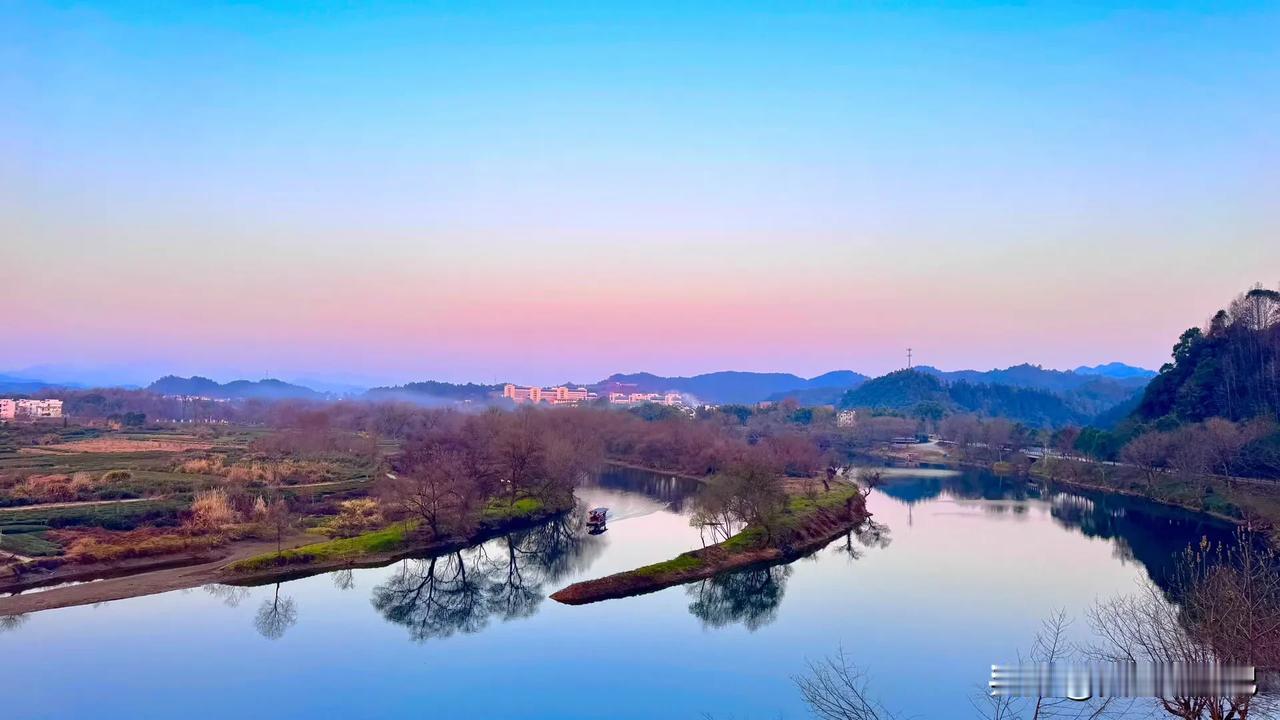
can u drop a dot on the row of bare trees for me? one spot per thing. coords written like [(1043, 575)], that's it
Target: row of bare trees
[(991, 439), (451, 469), (1215, 446)]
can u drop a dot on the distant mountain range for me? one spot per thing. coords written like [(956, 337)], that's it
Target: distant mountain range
[(734, 386), (1117, 370), (1034, 376), (919, 393), (1088, 393), (432, 392), (237, 389), (1025, 393), (1032, 393), (12, 385)]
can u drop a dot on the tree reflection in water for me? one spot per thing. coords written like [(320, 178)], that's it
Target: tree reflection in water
[(230, 595), (507, 578), (750, 597), (870, 534), (344, 579), (1140, 530), (11, 622), (276, 615)]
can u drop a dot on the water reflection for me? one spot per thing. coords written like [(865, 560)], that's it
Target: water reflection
[(11, 622), (1140, 530), (344, 579), (898, 621), (433, 598), (231, 595), (507, 578), (671, 490), (750, 597), (277, 614), (870, 535)]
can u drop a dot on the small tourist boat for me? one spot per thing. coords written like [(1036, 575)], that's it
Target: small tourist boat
[(596, 517)]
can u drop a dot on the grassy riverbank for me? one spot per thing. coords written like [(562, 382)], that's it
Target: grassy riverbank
[(1252, 503), (805, 524), (389, 543)]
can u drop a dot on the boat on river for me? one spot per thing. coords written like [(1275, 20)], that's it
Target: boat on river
[(596, 518)]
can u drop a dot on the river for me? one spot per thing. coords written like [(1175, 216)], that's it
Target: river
[(957, 574)]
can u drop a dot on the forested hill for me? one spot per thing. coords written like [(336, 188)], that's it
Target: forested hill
[(1231, 369), (1091, 391), (925, 395), (432, 392), (735, 386), (239, 389)]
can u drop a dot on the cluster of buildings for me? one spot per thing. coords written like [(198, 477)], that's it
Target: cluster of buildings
[(555, 396), (636, 398), (563, 395), (11, 409)]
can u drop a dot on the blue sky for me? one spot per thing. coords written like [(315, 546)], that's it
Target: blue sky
[(466, 191)]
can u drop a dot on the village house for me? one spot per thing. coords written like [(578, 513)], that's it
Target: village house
[(11, 409)]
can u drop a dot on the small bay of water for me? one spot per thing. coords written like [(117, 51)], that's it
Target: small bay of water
[(956, 573)]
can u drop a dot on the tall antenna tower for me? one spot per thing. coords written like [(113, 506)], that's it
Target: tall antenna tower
[(908, 358)]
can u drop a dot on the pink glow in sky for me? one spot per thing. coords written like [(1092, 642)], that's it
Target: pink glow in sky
[(542, 198)]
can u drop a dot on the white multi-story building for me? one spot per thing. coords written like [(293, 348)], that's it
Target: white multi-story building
[(22, 409), (560, 395), (636, 398), (44, 408)]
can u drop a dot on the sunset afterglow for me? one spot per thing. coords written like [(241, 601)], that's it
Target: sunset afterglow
[(401, 192)]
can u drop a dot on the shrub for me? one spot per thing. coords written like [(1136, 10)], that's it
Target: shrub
[(55, 488), (210, 511), (258, 513), (106, 547), (201, 466), (355, 517), (111, 476)]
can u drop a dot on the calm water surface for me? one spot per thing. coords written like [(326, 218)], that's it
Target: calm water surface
[(956, 574)]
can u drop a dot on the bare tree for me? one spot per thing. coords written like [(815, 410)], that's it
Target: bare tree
[(434, 487), (1052, 646), (1231, 601), (870, 478), (1223, 440), (1189, 453), (1064, 440), (1147, 452), (1229, 613), (280, 520), (715, 513), (835, 689)]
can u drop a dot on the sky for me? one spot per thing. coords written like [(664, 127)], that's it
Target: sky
[(384, 192)]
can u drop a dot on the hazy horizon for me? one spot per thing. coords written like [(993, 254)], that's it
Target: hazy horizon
[(333, 382), (398, 191)]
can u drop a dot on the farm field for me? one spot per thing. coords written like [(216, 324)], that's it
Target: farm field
[(67, 491)]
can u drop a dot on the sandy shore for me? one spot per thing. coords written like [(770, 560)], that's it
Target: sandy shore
[(148, 577)]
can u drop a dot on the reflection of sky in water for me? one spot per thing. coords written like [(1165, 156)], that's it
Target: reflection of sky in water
[(963, 582)]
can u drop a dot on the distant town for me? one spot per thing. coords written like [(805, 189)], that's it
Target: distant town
[(21, 409), (563, 395)]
